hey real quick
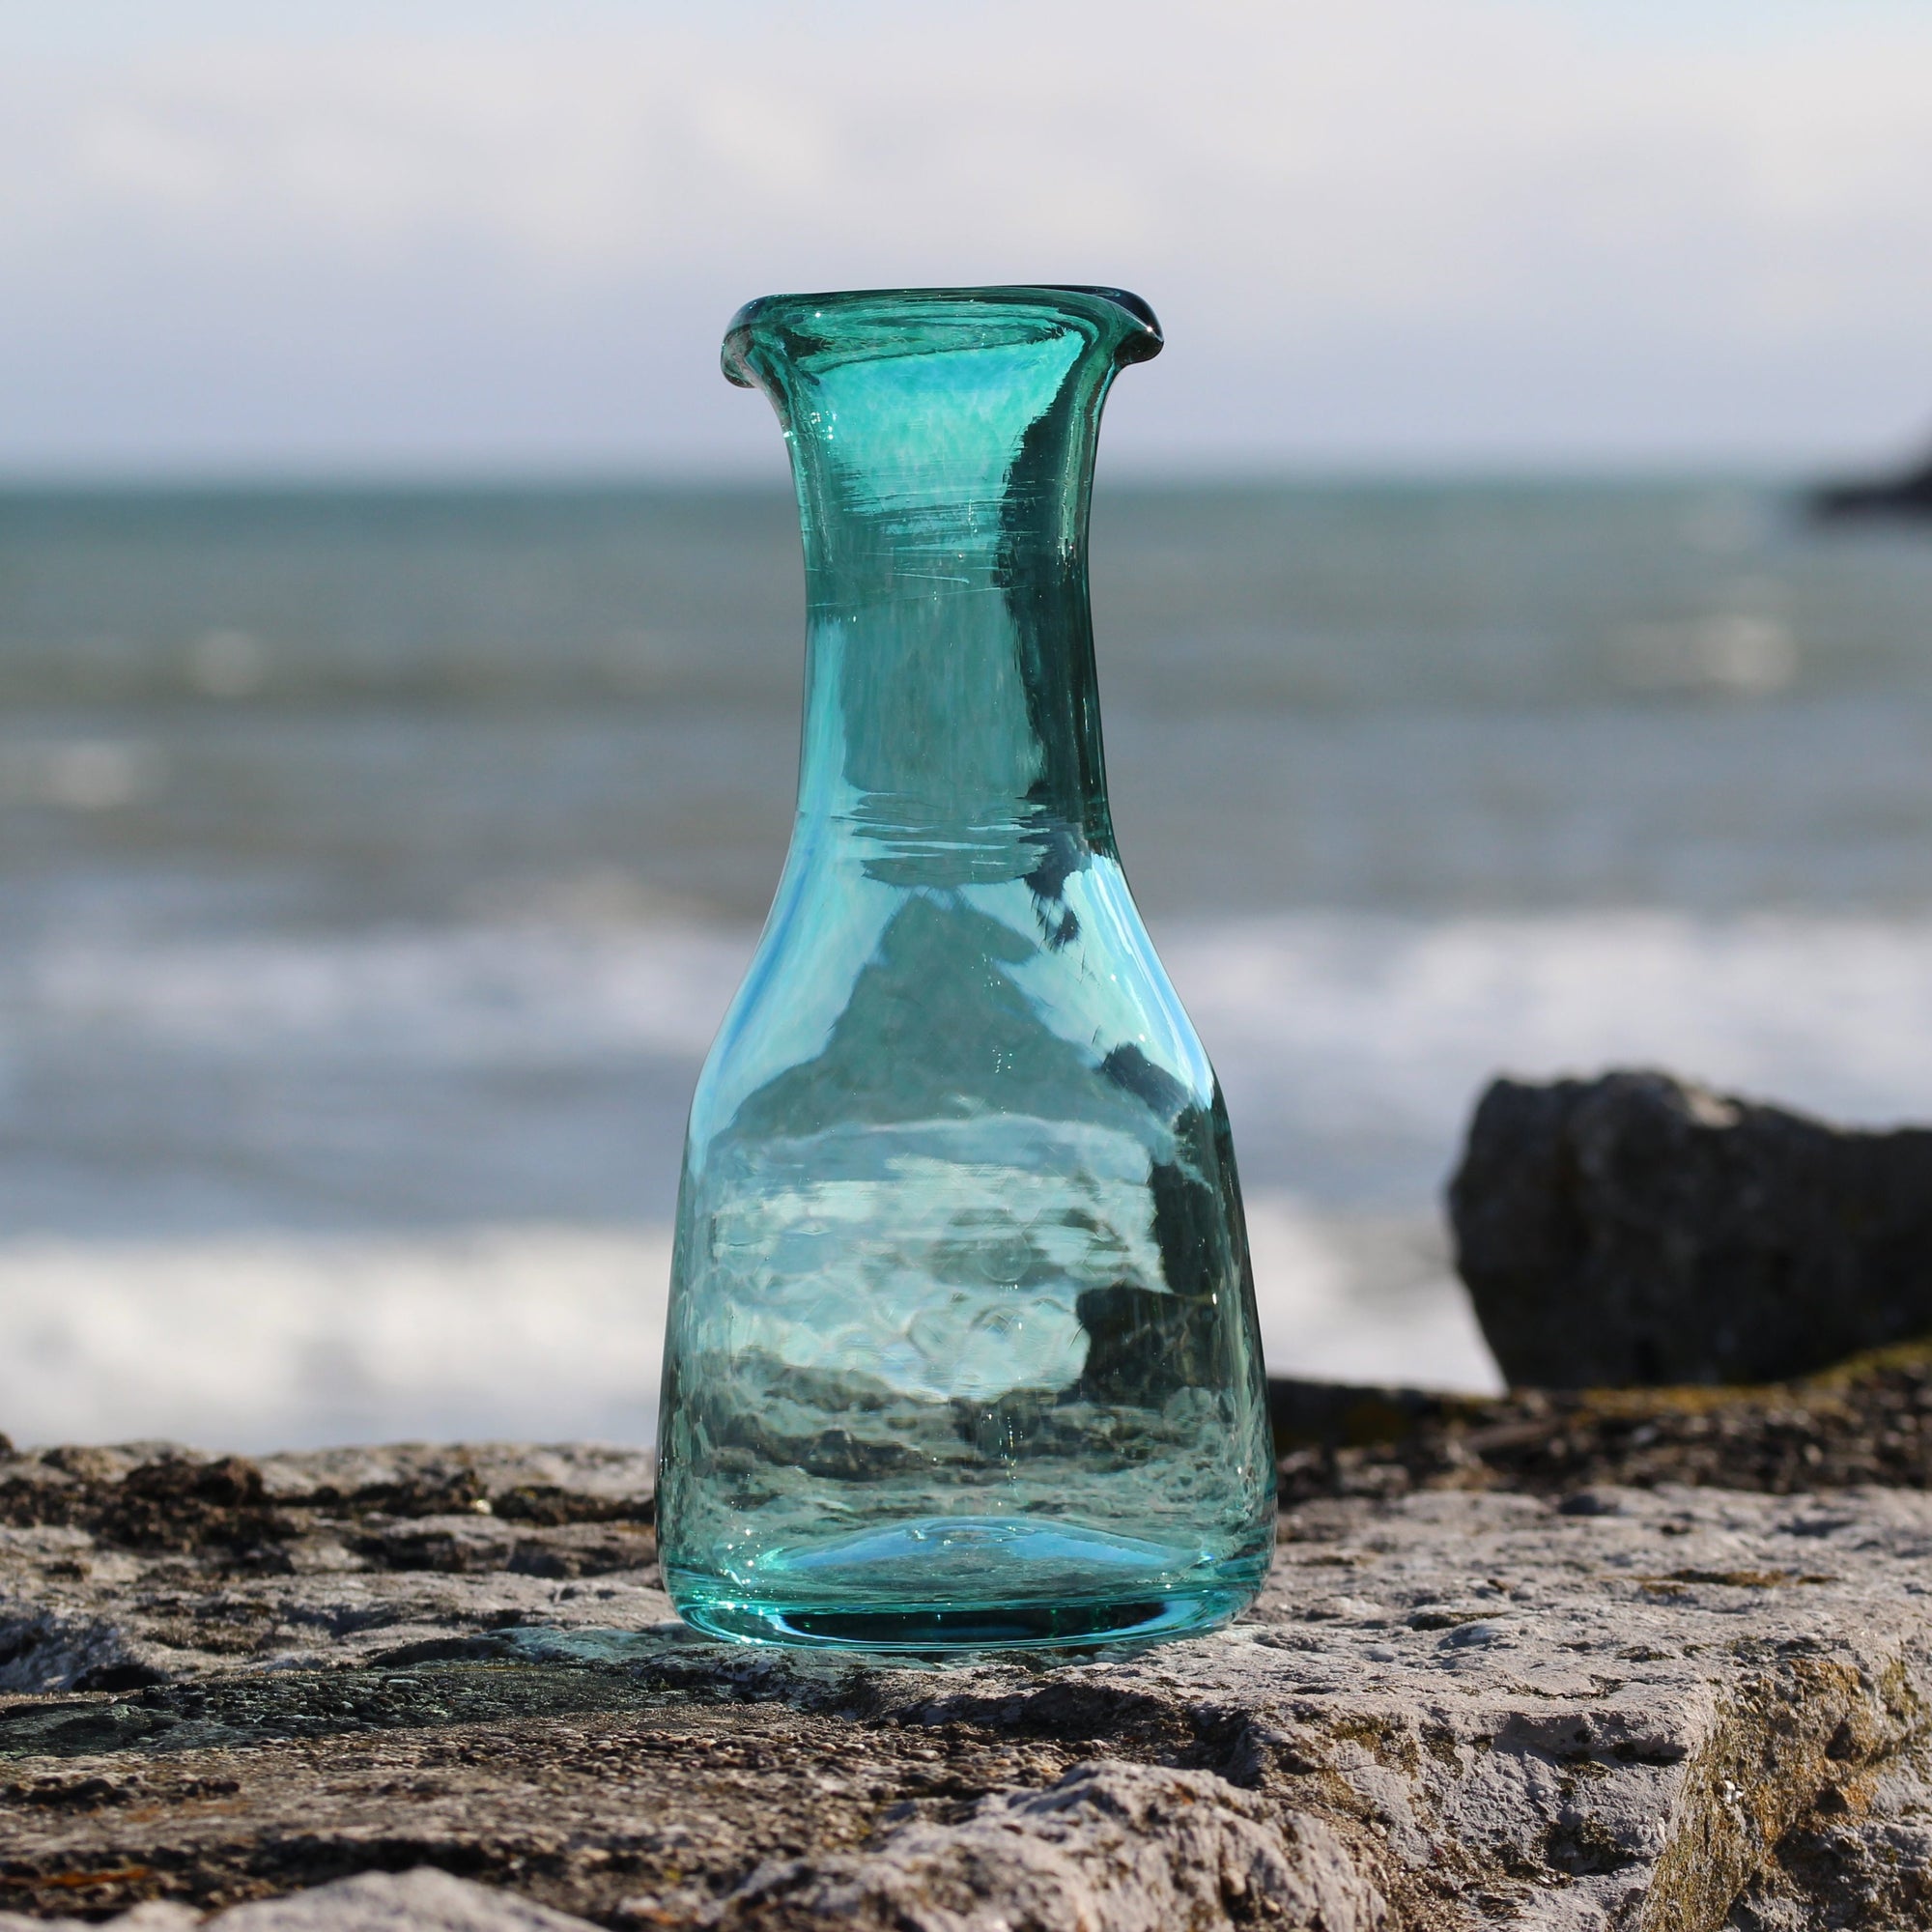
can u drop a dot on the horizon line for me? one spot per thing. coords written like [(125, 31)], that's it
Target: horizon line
[(514, 476)]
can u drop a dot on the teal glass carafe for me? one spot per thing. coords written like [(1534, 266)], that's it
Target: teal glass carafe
[(962, 1348)]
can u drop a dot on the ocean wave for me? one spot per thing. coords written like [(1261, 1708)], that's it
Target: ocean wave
[(484, 1121), (278, 1340), (467, 995), (1354, 1047), (1364, 1019)]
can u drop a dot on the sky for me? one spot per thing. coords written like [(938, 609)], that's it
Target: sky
[(399, 236)]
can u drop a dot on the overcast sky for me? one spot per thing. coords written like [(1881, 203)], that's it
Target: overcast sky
[(418, 235)]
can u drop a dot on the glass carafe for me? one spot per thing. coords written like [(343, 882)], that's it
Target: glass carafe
[(962, 1348)]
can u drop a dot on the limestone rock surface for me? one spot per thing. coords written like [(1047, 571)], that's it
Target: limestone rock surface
[(1636, 1229), (422, 1900), (1654, 1708)]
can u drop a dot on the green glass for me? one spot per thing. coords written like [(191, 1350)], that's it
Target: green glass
[(962, 1348)]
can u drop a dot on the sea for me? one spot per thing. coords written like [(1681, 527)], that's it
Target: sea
[(375, 864)]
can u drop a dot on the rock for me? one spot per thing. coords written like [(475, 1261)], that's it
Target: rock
[(154, 1915), (1908, 494), (310, 1559), (1638, 1229), (423, 1900), (1865, 1422), (1666, 1706), (1129, 1847)]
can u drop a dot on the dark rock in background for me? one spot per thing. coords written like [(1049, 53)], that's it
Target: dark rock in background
[(1906, 496), (1636, 1229)]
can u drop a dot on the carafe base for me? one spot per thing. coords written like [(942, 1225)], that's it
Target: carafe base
[(971, 1583)]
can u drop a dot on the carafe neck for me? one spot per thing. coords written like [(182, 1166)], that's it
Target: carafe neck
[(942, 445)]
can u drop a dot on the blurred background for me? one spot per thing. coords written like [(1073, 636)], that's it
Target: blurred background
[(400, 624)]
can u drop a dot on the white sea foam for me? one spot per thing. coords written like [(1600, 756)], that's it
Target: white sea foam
[(479, 993), (274, 1340), (1384, 1017), (1835, 1012), (521, 1291), (1352, 1048), (270, 1341), (1363, 1298)]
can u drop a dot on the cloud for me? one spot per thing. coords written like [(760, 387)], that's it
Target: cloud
[(1404, 226)]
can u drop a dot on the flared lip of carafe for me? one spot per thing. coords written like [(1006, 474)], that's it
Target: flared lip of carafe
[(1139, 339)]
